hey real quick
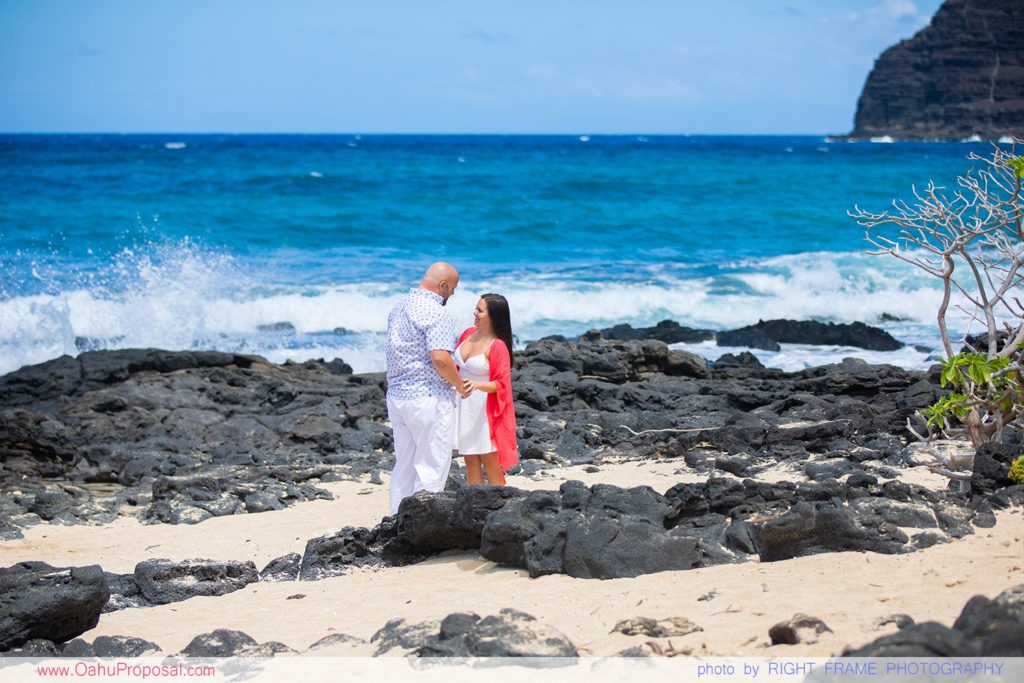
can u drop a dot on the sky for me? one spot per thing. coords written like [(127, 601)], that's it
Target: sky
[(756, 67)]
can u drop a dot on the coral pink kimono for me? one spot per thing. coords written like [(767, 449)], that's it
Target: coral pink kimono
[(501, 414)]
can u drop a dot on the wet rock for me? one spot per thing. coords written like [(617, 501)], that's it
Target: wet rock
[(667, 331), (749, 337), (817, 333)]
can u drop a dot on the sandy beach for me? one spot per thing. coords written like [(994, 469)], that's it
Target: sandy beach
[(731, 607)]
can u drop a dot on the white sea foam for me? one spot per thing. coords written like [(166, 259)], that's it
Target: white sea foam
[(793, 357), (190, 299)]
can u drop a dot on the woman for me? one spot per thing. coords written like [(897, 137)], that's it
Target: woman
[(485, 421)]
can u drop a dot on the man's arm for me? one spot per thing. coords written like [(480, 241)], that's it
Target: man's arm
[(445, 367)]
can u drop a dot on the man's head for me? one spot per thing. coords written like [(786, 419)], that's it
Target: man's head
[(442, 279)]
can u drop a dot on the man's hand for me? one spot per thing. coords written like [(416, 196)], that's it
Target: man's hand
[(445, 367)]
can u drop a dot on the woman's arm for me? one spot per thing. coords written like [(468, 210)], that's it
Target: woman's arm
[(501, 373)]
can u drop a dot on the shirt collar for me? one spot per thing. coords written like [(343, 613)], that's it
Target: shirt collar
[(419, 291)]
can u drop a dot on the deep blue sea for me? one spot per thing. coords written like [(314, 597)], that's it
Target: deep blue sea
[(296, 246)]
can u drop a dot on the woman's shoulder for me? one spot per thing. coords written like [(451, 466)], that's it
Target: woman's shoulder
[(498, 346)]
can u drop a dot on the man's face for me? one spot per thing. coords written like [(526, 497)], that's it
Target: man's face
[(447, 288)]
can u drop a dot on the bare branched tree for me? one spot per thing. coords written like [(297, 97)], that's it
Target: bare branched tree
[(972, 240), (980, 227)]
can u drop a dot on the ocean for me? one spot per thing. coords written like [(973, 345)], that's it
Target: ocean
[(295, 247)]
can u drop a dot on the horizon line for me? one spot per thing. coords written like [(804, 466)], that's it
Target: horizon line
[(433, 133)]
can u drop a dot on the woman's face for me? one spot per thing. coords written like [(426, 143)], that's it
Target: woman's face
[(480, 316)]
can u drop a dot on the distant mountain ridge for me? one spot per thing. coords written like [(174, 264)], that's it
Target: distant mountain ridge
[(960, 77)]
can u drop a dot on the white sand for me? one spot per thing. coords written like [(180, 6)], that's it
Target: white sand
[(735, 605)]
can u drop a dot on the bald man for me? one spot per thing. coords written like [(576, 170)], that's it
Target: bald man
[(422, 382)]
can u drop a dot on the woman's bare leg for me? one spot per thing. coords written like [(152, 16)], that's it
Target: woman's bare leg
[(474, 473), (494, 474)]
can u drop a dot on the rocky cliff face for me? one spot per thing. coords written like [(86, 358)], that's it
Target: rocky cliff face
[(961, 76)]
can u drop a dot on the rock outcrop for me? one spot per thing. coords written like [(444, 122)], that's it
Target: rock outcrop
[(174, 438), (56, 604), (962, 76), (985, 628)]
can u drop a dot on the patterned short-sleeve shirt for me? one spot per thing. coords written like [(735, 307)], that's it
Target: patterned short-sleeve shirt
[(417, 325)]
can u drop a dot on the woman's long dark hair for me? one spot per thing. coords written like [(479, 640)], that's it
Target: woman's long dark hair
[(497, 309)]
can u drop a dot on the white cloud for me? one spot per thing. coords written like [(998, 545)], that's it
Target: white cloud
[(886, 11), (899, 9)]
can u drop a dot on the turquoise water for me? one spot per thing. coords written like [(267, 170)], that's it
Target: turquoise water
[(296, 246)]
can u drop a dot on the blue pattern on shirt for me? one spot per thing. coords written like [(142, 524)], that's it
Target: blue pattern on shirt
[(417, 325)]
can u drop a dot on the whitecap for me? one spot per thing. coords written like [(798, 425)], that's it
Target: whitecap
[(883, 139), (180, 297), (795, 357), (175, 145)]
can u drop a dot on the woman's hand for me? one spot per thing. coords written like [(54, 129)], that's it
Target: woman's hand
[(468, 387)]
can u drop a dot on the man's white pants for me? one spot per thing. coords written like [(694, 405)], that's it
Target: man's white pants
[(424, 437)]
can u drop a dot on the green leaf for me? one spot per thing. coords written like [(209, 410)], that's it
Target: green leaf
[(1017, 165)]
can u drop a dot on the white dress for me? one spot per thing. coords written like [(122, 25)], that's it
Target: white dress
[(472, 431)]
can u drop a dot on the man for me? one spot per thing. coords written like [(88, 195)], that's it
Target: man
[(421, 375)]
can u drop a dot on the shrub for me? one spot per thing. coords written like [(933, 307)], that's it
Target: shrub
[(1016, 474), (973, 241)]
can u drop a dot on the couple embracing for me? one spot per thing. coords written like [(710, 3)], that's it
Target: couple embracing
[(448, 395)]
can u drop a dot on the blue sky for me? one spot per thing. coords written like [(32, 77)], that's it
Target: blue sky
[(440, 66)]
